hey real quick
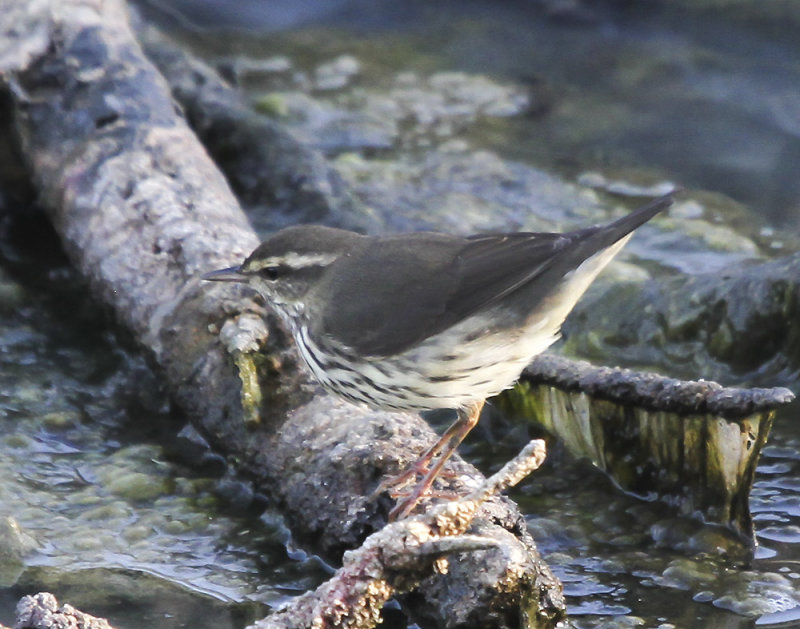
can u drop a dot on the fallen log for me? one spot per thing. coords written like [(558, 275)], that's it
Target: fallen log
[(141, 211)]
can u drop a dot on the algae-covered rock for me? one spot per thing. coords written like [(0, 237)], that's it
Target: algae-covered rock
[(15, 545), (725, 325)]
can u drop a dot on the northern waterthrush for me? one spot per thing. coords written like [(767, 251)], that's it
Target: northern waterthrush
[(424, 321)]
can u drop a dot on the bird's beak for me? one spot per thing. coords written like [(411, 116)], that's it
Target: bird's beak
[(231, 274)]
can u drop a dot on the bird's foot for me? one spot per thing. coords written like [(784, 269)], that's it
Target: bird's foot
[(405, 506), (407, 501), (442, 450), (437, 494), (394, 485)]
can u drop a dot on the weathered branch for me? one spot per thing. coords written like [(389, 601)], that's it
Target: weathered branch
[(142, 210), (652, 391), (399, 556)]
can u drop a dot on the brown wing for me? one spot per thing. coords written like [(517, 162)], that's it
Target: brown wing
[(431, 283), (404, 289)]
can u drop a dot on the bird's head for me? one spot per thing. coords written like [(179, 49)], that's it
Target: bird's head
[(287, 266)]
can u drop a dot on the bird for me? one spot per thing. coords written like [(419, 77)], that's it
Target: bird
[(425, 320)]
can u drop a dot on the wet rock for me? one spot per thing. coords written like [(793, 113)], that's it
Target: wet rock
[(626, 187), (192, 448), (12, 295), (337, 73), (727, 325), (15, 545), (769, 593), (621, 622), (414, 110), (459, 190)]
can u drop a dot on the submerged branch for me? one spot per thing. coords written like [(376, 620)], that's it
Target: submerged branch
[(693, 444)]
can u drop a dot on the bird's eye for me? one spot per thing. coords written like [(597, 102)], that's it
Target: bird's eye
[(271, 272)]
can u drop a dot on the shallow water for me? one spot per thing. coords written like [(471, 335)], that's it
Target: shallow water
[(102, 504), (633, 563), (120, 520)]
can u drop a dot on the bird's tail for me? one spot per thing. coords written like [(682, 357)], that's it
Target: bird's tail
[(611, 233)]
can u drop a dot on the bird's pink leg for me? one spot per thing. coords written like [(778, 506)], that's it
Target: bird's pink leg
[(447, 444), (420, 466)]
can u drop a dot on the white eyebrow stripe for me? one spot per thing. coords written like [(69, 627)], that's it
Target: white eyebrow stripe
[(294, 260)]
